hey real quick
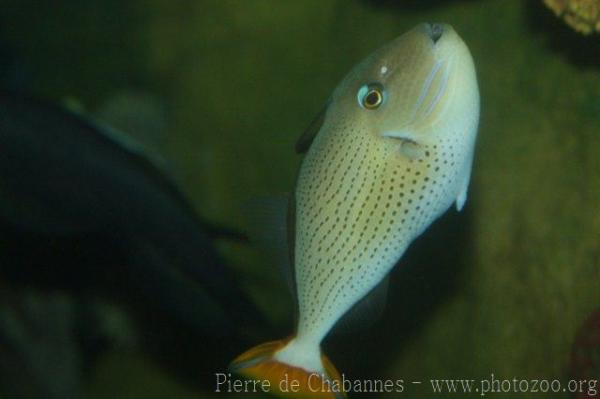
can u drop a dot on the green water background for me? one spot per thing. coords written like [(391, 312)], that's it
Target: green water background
[(500, 288)]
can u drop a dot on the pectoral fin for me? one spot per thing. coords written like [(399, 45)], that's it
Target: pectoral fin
[(461, 198), (410, 147)]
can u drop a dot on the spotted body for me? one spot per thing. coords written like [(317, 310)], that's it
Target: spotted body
[(393, 152)]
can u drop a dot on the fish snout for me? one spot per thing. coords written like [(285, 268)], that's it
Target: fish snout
[(435, 31)]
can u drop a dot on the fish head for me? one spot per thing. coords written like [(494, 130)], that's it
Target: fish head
[(419, 88)]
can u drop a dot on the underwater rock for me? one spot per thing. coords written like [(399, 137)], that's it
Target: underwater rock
[(581, 15)]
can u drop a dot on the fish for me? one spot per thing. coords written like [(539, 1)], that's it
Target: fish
[(65, 174), (391, 151)]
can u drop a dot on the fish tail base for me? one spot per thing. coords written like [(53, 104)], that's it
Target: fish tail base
[(285, 380)]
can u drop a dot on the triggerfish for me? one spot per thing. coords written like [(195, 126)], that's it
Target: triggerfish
[(391, 152)]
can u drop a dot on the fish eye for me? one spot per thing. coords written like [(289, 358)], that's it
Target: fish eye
[(371, 96)]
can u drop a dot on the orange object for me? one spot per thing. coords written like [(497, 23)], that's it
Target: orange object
[(287, 381)]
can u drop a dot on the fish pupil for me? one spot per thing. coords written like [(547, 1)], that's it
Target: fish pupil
[(373, 99)]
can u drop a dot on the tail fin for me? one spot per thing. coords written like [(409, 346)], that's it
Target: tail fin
[(286, 380)]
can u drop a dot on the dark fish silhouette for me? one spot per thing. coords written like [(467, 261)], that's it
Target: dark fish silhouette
[(62, 174)]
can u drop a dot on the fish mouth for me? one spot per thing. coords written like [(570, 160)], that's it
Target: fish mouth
[(435, 31)]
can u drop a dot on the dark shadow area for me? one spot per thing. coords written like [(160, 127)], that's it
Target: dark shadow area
[(14, 74), (48, 38), (88, 225), (426, 276), (73, 263), (412, 4), (581, 50), (85, 273)]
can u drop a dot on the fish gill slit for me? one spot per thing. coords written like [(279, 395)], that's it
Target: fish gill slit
[(425, 89), (440, 91)]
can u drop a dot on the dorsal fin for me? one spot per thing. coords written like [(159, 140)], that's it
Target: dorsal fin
[(366, 311), (306, 139)]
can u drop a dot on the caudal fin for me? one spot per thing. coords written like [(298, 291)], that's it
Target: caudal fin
[(285, 380)]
